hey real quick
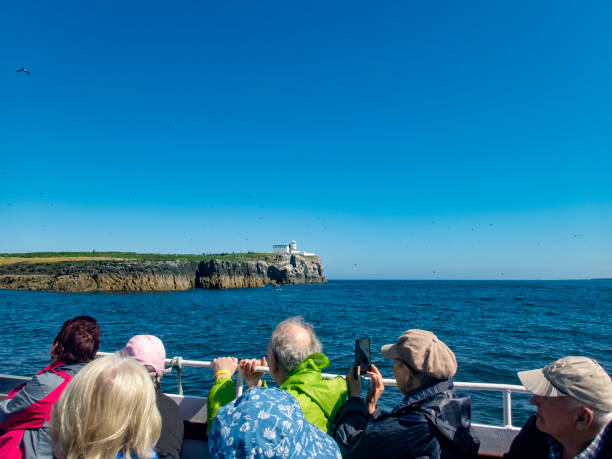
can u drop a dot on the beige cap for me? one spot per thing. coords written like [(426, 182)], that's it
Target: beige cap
[(424, 353), (580, 377)]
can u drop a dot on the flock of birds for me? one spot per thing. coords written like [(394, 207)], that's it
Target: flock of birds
[(27, 71)]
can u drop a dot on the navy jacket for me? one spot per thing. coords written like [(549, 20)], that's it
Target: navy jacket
[(433, 422), (531, 443)]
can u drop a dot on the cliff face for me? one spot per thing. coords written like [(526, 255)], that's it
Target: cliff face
[(105, 276), (124, 276), (282, 269)]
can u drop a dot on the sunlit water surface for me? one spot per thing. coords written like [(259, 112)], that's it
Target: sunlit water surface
[(495, 328)]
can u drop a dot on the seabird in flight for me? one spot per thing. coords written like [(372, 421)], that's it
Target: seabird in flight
[(24, 70)]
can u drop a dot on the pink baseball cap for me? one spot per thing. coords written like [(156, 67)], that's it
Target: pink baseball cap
[(148, 350)]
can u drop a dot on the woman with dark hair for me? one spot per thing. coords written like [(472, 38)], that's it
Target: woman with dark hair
[(25, 414)]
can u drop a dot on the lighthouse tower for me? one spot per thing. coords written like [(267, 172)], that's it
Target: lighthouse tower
[(289, 248)]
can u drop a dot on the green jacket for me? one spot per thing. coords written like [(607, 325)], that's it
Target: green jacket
[(319, 398), (221, 393)]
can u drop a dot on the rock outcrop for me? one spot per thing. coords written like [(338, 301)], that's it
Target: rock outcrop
[(129, 275), (281, 269)]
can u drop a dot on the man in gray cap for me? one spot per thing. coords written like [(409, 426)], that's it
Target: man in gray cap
[(574, 400), (431, 421)]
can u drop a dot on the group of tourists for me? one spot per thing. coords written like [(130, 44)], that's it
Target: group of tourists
[(112, 407), (80, 407)]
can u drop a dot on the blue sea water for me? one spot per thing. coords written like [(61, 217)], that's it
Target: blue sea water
[(495, 328)]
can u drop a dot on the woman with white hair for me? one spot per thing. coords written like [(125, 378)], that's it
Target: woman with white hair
[(108, 411)]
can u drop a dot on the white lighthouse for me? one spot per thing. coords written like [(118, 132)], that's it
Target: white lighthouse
[(290, 248)]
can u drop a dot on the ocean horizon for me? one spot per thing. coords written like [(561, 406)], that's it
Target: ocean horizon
[(495, 328)]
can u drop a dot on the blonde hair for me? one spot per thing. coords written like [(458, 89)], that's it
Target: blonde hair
[(109, 407)]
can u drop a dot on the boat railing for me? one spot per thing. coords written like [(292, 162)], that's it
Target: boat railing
[(494, 439), (177, 363)]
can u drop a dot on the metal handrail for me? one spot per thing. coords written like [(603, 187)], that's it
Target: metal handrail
[(505, 389)]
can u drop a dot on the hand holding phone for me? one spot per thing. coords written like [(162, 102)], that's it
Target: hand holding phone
[(377, 387), (362, 356)]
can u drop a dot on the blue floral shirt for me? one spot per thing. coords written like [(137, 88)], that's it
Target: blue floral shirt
[(267, 423)]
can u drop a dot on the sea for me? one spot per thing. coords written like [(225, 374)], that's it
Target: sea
[(495, 328)]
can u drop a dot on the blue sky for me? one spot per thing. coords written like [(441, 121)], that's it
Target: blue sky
[(437, 140)]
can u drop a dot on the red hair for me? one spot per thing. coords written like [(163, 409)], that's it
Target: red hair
[(78, 341)]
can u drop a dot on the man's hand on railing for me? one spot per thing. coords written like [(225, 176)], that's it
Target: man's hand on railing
[(249, 369), (377, 387), (224, 367)]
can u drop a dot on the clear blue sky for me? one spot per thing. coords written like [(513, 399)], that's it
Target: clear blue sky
[(442, 140)]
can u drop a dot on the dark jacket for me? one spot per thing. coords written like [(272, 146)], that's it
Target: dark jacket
[(170, 444), (433, 422), (532, 443)]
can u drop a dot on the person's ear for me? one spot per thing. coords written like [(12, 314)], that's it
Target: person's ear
[(272, 363), (585, 418), (406, 377)]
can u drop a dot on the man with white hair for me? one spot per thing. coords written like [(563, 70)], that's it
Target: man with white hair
[(296, 361), (574, 400)]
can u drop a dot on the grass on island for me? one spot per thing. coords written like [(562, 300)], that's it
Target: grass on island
[(56, 257)]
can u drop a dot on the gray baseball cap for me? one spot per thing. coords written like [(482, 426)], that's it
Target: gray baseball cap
[(579, 377)]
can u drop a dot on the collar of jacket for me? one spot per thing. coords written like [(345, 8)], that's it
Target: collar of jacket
[(419, 395), (314, 362)]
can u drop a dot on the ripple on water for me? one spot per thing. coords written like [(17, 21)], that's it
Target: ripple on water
[(495, 328)]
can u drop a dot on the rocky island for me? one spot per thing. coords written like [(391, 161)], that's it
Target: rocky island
[(125, 272)]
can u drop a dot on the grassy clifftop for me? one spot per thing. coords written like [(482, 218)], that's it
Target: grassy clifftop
[(51, 257), (130, 271)]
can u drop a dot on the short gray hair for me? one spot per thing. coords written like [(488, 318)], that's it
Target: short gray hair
[(600, 417), (156, 378), (289, 352)]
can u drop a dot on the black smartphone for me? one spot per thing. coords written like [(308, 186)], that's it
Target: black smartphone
[(362, 355)]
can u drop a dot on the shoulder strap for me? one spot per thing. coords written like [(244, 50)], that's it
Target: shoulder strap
[(49, 368), (53, 369), (39, 412)]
